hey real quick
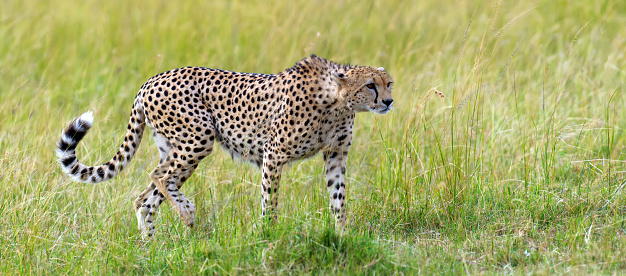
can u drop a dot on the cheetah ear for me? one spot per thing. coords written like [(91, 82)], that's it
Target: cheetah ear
[(381, 69), (340, 78)]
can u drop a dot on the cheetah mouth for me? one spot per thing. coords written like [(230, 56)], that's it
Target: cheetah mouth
[(384, 110)]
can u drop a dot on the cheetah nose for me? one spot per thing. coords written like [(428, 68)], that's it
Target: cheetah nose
[(388, 102)]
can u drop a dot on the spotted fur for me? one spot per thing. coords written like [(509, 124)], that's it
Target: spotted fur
[(268, 120)]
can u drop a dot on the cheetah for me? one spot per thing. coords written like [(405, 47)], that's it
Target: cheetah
[(267, 120)]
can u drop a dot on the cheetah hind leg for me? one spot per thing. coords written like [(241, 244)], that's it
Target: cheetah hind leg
[(148, 202), (148, 205), (168, 178), (147, 210), (141, 205)]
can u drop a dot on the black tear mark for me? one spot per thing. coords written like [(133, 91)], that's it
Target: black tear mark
[(376, 92)]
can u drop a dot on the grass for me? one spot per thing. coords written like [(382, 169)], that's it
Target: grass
[(519, 168)]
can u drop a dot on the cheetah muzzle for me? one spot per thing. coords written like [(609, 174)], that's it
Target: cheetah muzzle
[(268, 120)]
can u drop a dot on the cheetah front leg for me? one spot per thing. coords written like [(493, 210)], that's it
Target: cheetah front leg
[(270, 182), (335, 161)]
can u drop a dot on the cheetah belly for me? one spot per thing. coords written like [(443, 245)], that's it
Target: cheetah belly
[(241, 150)]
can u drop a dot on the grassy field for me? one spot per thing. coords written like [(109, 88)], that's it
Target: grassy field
[(519, 168)]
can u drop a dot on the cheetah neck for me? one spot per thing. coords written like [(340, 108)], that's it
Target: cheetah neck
[(313, 76)]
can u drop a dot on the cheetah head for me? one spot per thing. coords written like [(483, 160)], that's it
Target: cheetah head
[(365, 89)]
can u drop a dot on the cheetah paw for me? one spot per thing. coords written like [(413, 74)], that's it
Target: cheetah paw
[(187, 213)]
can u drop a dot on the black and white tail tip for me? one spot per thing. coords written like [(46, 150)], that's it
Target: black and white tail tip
[(66, 147)]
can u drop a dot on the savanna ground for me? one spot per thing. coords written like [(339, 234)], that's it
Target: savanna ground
[(519, 168)]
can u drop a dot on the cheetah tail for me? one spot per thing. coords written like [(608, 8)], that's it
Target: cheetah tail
[(76, 130)]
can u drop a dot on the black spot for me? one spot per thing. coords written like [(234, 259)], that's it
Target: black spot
[(74, 169), (69, 160), (65, 146), (100, 172), (77, 134)]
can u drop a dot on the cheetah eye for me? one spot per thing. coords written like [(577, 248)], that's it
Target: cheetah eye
[(371, 86), (389, 84)]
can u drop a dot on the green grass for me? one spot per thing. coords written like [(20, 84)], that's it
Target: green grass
[(519, 169)]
